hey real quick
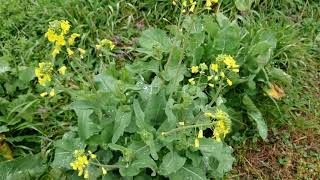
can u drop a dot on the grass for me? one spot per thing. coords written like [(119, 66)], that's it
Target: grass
[(292, 149)]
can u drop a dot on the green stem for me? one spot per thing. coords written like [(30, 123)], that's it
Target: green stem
[(186, 127)]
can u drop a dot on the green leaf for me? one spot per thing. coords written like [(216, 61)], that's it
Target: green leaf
[(26, 74), (222, 20), (254, 114), (65, 147), (155, 38), (243, 5), (190, 173), (220, 152), (106, 83), (122, 120), (26, 168), (279, 75), (224, 37), (154, 109), (142, 160), (168, 110), (4, 129), (86, 126), (139, 114), (171, 163)]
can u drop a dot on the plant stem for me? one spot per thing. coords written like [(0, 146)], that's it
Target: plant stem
[(186, 127)]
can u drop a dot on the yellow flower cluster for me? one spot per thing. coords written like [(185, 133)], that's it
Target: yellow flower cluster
[(82, 162), (191, 4), (225, 64), (57, 34), (44, 72), (222, 125), (105, 42)]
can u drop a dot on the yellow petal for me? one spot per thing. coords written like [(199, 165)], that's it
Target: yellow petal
[(43, 94), (196, 143), (52, 93), (62, 70), (200, 134), (104, 171)]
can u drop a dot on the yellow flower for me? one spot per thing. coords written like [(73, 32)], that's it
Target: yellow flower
[(72, 39), (193, 5), (195, 69), (51, 35), (184, 3), (80, 163), (208, 4), (56, 51), (222, 74), (196, 143), (214, 67), (191, 81), (220, 130), (181, 123), (52, 93), (65, 26), (70, 52), (104, 171), (208, 114), (229, 82), (93, 156), (221, 114), (60, 40), (174, 2), (98, 46), (86, 174), (44, 72), (43, 94), (62, 70), (230, 62), (200, 134), (108, 43), (82, 52), (235, 70)]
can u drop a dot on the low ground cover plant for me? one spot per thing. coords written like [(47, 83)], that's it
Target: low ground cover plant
[(167, 104)]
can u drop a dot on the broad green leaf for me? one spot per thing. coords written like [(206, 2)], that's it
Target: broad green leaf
[(155, 38), (27, 168), (220, 152), (255, 114), (154, 109), (86, 126), (139, 114), (279, 75), (192, 24), (141, 67), (26, 74), (171, 163), (210, 26), (168, 110), (222, 20), (243, 5), (227, 40), (106, 83), (190, 173), (3, 129), (122, 120)]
